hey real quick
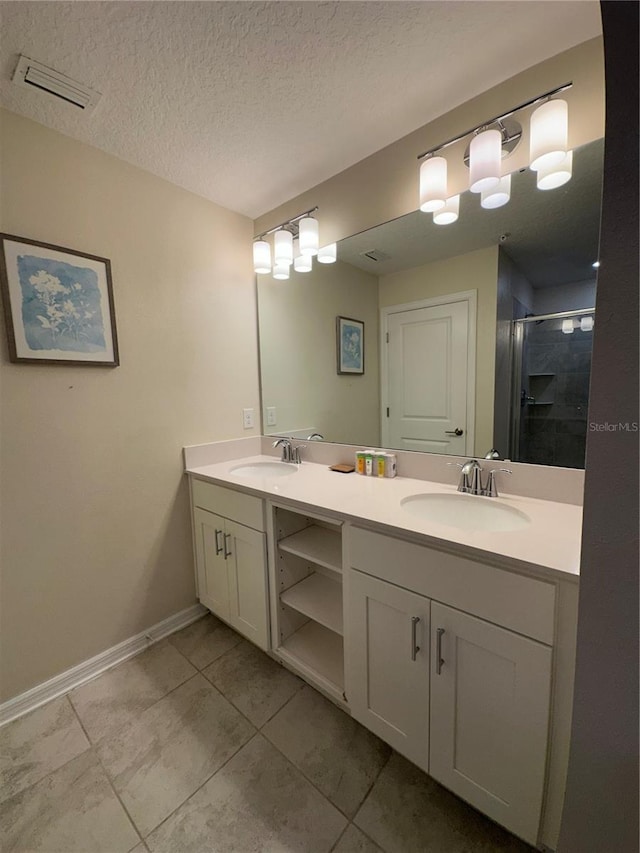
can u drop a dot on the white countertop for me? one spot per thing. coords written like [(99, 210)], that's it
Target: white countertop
[(549, 546)]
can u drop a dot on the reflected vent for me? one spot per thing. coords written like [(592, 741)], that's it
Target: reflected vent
[(38, 76), (376, 255)]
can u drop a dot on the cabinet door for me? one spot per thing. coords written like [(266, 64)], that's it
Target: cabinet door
[(387, 663), (489, 715), (248, 599), (211, 566)]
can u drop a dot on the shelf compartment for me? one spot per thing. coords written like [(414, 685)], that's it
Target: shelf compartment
[(317, 544), (319, 650), (320, 598)]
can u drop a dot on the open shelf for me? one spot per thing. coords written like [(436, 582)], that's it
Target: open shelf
[(541, 374), (320, 650), (318, 597), (318, 544)]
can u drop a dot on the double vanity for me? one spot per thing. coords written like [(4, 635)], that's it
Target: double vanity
[(443, 622)]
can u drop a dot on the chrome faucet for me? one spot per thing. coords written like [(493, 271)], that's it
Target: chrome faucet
[(315, 436), (471, 479), (289, 452)]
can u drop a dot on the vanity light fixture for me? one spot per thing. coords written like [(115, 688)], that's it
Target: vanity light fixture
[(433, 184), (308, 234), (498, 196), (495, 139), (567, 326), (449, 213), (283, 247), (550, 177), (549, 131), (596, 265), (485, 156), (261, 257), (289, 240), (328, 254)]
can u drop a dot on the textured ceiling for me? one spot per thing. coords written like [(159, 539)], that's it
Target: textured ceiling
[(249, 104)]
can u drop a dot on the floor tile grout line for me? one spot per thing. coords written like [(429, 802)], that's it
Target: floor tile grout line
[(110, 781), (290, 699), (208, 779), (339, 838)]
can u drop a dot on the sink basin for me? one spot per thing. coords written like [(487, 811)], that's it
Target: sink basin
[(466, 512), (265, 469)]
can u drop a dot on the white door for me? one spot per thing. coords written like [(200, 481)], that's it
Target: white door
[(248, 600), (489, 717), (211, 565), (429, 387), (387, 663)]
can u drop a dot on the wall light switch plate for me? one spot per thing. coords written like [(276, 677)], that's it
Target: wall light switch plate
[(247, 418), (271, 416)]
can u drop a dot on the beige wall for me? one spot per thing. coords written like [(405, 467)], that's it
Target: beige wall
[(385, 185), (473, 271), (298, 353), (95, 518)]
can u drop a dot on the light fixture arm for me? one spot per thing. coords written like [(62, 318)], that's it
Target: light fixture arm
[(287, 224), (498, 118)]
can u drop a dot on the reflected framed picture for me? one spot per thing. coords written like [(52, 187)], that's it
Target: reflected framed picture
[(58, 304), (350, 339)]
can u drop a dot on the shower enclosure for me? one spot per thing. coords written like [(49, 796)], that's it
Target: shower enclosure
[(550, 388)]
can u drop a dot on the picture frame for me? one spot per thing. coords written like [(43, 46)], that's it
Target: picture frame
[(58, 304), (350, 346)]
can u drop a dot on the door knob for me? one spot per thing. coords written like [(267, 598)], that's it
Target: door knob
[(456, 431)]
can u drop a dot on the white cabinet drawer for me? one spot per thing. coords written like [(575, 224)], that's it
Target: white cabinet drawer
[(522, 604), (245, 509)]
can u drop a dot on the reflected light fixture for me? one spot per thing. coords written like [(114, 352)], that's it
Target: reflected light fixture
[(596, 265), (281, 271), (433, 184), (308, 233), (328, 254), (449, 213), (567, 326), (485, 156), (498, 196), (550, 177), (586, 323), (301, 263), (549, 131), (261, 257), (283, 247)]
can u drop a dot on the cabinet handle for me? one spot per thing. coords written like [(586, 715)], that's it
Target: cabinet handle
[(439, 658), (414, 627), (227, 551), (218, 545)]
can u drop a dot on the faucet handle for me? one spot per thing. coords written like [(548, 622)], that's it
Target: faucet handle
[(295, 456), (490, 489)]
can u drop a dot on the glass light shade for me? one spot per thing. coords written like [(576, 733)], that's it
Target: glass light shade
[(567, 326), (301, 263), (449, 213), (550, 177), (309, 239), (498, 196), (549, 132), (485, 156), (596, 265), (433, 184), (283, 247), (586, 323), (328, 254), (281, 271), (261, 257)]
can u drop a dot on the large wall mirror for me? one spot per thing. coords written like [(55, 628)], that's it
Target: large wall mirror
[(477, 334)]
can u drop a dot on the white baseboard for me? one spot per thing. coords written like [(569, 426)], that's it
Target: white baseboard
[(88, 669)]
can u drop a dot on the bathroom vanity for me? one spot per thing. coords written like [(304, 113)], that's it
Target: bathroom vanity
[(454, 642)]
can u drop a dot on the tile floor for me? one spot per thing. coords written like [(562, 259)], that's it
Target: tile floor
[(203, 744)]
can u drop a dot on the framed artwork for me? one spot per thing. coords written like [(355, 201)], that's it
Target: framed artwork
[(58, 304), (350, 339)]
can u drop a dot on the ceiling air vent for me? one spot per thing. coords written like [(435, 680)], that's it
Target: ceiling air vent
[(376, 255), (36, 75)]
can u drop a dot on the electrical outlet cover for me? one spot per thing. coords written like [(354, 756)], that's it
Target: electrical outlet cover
[(247, 418), (271, 416)]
